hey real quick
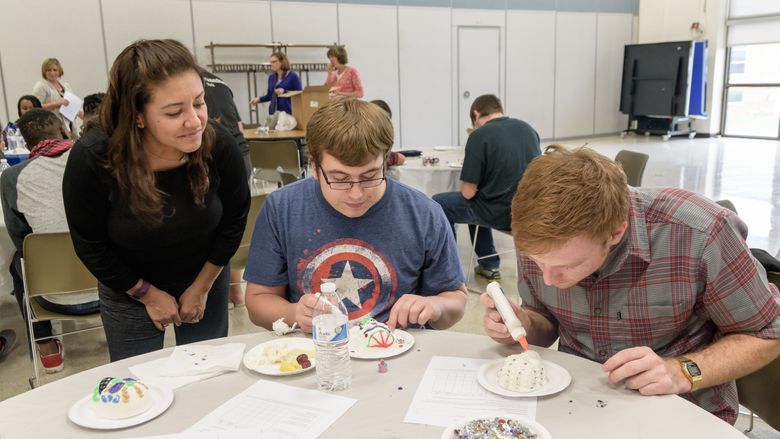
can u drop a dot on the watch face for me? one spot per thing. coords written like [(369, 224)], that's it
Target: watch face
[(692, 368)]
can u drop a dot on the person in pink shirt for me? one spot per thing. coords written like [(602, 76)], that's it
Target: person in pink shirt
[(343, 79)]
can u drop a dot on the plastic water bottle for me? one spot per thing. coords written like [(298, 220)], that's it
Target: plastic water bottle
[(331, 337)]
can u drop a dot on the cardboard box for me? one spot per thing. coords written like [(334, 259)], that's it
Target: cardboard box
[(306, 102)]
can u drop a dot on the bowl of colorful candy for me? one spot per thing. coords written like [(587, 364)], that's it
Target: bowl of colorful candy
[(496, 427)]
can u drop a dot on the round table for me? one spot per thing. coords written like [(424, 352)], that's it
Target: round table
[(432, 179), (381, 406)]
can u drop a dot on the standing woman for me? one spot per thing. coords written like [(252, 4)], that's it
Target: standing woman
[(51, 89), (282, 80), (156, 200), (343, 79)]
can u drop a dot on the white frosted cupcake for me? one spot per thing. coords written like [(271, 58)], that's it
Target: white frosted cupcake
[(522, 372), (120, 398)]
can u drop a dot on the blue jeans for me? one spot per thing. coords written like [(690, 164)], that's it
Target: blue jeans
[(459, 211), (130, 331)]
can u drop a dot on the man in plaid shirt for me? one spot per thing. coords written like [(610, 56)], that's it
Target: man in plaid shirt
[(636, 278)]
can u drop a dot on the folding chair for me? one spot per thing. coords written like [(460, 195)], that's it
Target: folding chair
[(281, 155), (728, 205), (50, 267), (238, 261), (633, 164), (474, 250)]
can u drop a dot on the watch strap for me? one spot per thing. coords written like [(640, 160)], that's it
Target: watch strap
[(694, 379)]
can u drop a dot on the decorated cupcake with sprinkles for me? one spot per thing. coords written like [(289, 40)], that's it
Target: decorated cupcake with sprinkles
[(120, 398)]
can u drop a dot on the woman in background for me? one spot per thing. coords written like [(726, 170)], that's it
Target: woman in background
[(27, 103), (343, 79), (51, 90), (156, 200), (280, 81)]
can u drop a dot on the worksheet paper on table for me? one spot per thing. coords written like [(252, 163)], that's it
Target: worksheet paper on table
[(449, 392), (276, 411)]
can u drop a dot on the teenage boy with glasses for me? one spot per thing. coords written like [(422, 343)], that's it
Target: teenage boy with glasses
[(388, 247)]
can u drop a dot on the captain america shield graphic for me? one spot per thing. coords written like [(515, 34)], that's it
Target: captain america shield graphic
[(364, 278)]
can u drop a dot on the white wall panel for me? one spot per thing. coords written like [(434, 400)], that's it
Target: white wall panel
[(475, 17), (3, 113), (128, 21), (306, 23), (250, 23), (530, 76), (373, 53), (575, 59), (614, 32), (425, 77), (78, 46)]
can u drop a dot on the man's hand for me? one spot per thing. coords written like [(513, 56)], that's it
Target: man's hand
[(161, 307), (639, 368), (494, 324), (303, 311), (192, 304), (412, 309)]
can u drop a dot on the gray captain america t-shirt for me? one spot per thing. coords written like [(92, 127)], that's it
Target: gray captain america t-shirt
[(403, 244)]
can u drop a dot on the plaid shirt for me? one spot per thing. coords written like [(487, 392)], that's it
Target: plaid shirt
[(681, 278)]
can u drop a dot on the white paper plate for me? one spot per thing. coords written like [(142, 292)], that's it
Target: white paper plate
[(358, 348), (445, 148), (534, 426), (81, 413), (558, 379), (456, 165), (250, 358)]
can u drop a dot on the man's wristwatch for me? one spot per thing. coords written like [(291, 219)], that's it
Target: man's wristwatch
[(691, 371)]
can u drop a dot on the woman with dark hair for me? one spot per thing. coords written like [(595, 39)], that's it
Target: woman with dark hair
[(27, 103), (156, 200), (280, 81), (343, 79)]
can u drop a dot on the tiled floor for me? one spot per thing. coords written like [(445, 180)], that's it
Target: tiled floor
[(745, 171)]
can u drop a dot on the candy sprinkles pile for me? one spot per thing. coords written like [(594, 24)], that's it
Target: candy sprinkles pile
[(494, 428)]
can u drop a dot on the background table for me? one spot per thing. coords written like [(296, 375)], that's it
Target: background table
[(382, 399), (432, 179)]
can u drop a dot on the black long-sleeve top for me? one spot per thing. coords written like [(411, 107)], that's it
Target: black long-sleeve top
[(118, 249)]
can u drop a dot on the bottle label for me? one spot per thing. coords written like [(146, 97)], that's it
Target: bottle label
[(329, 333)]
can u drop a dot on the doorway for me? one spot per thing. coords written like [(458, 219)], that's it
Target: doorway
[(479, 70)]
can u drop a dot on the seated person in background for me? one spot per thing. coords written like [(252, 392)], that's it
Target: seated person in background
[(7, 341), (394, 158), (497, 153), (387, 247), (656, 284), (27, 103), (91, 110), (32, 203)]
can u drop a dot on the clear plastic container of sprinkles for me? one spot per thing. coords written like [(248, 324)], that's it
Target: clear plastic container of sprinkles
[(494, 428)]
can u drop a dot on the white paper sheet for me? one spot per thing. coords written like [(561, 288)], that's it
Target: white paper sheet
[(277, 411), (235, 434), (449, 392), (71, 110)]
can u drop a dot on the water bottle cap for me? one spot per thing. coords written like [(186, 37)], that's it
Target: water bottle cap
[(328, 287)]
